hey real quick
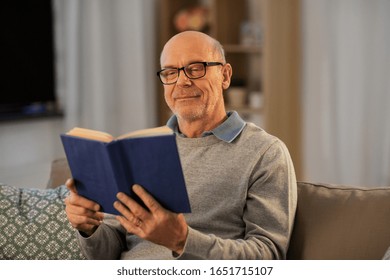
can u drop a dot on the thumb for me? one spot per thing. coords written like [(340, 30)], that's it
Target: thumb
[(70, 185)]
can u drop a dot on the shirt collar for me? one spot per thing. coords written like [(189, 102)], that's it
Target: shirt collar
[(226, 131)]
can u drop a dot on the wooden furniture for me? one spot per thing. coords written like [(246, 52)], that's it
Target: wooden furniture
[(282, 75)]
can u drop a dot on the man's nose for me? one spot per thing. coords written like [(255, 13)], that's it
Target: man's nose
[(183, 80)]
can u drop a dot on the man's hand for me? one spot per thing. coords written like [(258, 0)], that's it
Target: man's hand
[(157, 225), (82, 213)]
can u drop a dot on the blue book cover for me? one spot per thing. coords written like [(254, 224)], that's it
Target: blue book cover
[(102, 169)]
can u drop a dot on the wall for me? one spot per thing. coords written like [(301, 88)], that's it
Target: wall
[(26, 149)]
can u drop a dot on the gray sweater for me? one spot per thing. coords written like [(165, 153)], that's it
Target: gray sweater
[(243, 198)]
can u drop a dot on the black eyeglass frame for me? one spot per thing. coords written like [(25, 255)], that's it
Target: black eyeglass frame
[(205, 64)]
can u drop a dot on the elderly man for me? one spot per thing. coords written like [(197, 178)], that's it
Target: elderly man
[(240, 180)]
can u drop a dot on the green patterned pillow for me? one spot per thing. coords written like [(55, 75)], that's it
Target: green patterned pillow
[(33, 225)]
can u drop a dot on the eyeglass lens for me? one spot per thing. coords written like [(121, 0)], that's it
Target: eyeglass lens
[(192, 71)]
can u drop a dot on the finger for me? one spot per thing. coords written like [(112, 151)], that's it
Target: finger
[(78, 200), (83, 221), (86, 221), (74, 210), (128, 220), (130, 227), (127, 214), (79, 216), (70, 185), (149, 200), (85, 226), (124, 210), (133, 206)]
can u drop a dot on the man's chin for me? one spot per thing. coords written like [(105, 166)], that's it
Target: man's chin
[(190, 115)]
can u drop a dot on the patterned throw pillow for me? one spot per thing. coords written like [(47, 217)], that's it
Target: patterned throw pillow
[(33, 225)]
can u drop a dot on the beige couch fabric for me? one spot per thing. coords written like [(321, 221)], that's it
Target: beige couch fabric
[(341, 222)]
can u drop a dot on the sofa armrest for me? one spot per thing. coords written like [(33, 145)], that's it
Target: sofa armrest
[(59, 173)]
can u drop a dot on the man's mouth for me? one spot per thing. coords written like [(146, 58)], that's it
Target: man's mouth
[(188, 96)]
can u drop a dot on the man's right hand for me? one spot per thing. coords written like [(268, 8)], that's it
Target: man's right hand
[(83, 214)]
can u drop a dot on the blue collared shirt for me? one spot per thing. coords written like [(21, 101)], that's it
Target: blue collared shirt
[(226, 131)]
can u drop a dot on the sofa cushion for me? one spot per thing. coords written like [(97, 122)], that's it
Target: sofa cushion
[(340, 222), (33, 225)]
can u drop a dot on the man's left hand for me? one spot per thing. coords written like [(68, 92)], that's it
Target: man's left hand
[(157, 225)]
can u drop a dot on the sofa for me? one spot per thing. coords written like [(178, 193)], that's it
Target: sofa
[(332, 222)]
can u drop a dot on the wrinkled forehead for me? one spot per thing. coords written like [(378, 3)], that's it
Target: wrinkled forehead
[(182, 50)]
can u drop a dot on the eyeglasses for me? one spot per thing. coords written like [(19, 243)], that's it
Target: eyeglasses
[(195, 70)]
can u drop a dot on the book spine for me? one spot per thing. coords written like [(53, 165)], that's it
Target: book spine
[(121, 167)]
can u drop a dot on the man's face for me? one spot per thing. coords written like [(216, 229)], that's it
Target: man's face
[(193, 99)]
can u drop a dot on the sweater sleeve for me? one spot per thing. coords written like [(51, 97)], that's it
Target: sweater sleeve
[(107, 242), (268, 215)]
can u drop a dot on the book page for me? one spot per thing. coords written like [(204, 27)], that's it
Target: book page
[(161, 130), (90, 134), (105, 137)]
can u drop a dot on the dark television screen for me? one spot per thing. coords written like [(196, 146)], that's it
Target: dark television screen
[(27, 57)]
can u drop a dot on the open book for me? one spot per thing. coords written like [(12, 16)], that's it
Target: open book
[(102, 166)]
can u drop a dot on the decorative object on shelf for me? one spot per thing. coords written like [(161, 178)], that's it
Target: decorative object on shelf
[(193, 18), (255, 99), (250, 33), (237, 94)]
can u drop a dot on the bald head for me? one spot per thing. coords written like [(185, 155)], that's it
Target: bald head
[(194, 41)]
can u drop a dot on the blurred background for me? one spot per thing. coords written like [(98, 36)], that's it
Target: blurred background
[(315, 73)]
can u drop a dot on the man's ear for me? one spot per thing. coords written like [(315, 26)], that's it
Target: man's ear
[(227, 75)]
